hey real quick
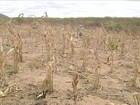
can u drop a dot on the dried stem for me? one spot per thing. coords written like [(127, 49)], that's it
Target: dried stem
[(97, 83), (135, 68), (64, 43), (136, 98), (16, 40), (84, 58), (72, 52), (3, 56), (122, 45), (112, 61), (47, 85), (96, 55), (74, 85)]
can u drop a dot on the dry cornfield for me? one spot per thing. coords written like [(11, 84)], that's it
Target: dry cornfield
[(45, 56)]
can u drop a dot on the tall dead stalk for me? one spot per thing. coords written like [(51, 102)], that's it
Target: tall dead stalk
[(64, 43), (122, 45), (86, 41), (47, 85), (3, 56), (72, 48), (16, 40), (74, 85), (49, 77), (135, 69), (112, 45), (96, 55), (112, 61), (84, 59), (97, 82)]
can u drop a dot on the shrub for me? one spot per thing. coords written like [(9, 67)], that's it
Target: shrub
[(20, 20), (112, 45), (115, 26)]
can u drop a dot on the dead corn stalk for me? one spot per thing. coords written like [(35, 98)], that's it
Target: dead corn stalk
[(49, 77), (84, 59), (16, 40), (72, 47), (136, 98), (3, 56), (74, 86), (135, 68), (64, 43), (112, 61), (87, 41), (97, 82), (49, 43), (122, 45), (112, 47), (96, 55), (47, 85)]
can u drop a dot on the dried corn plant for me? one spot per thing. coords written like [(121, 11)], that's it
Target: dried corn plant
[(96, 55), (112, 61), (99, 37), (36, 31), (16, 68), (86, 41), (135, 63), (74, 86), (47, 85), (49, 78), (51, 61), (122, 44), (18, 48), (135, 69), (84, 60), (49, 39), (112, 45), (136, 98), (54, 60), (97, 83), (48, 45), (98, 40), (64, 43), (105, 36), (72, 48), (68, 42), (3, 56), (16, 40)]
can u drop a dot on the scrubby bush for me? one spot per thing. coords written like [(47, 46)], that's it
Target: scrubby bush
[(112, 45), (20, 20), (115, 26)]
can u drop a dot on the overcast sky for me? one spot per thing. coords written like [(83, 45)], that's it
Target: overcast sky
[(71, 8)]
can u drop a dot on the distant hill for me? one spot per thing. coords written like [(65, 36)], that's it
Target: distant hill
[(3, 16)]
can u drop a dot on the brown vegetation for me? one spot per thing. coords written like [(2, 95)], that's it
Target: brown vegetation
[(46, 55)]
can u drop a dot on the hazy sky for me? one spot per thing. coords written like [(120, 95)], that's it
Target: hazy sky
[(71, 8)]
